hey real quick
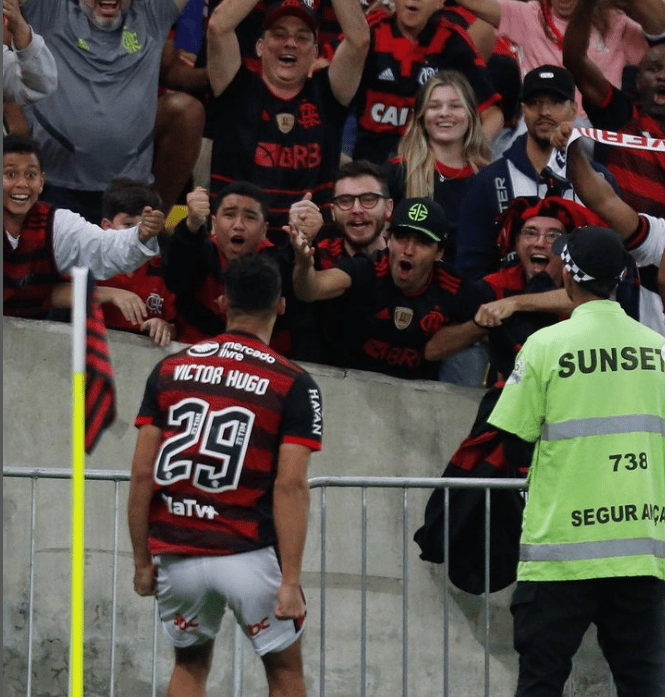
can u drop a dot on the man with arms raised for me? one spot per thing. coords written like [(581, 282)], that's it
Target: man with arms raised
[(281, 129)]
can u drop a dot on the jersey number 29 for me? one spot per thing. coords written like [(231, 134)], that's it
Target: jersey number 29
[(222, 437)]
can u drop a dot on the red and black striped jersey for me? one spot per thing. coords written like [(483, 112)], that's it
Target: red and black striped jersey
[(396, 67), (224, 407), (329, 251), (387, 329), (29, 272), (285, 146), (640, 174)]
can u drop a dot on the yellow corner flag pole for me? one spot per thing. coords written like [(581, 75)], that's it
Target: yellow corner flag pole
[(79, 304)]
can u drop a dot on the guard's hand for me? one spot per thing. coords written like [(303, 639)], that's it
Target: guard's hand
[(290, 603), (145, 579), (159, 330), (306, 217), (152, 223), (198, 208)]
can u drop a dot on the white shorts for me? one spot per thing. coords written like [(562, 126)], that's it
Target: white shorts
[(193, 592)]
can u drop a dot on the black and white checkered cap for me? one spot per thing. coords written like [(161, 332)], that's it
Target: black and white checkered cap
[(574, 269), (592, 253)]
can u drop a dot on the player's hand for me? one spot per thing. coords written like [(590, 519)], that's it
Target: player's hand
[(492, 314), (130, 304), (560, 135), (306, 217), (198, 208), (159, 330), (290, 603), (145, 579), (152, 223)]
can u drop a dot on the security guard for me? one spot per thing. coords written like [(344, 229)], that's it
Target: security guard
[(590, 391)]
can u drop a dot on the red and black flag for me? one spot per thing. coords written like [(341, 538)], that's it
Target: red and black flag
[(100, 406)]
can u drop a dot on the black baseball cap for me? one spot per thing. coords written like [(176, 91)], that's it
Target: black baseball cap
[(549, 78), (297, 8), (592, 253), (421, 215)]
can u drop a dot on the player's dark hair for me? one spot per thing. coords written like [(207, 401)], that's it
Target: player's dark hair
[(363, 168), (24, 145), (252, 284), (242, 188), (125, 195)]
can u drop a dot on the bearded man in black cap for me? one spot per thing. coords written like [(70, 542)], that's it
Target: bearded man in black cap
[(590, 393), (529, 167)]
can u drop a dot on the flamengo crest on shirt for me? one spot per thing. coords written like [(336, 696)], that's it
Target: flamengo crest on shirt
[(403, 317), (285, 122)]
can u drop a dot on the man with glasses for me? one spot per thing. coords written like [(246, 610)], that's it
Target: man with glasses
[(390, 305), (361, 207)]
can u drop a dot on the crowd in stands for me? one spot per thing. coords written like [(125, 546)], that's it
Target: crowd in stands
[(407, 164)]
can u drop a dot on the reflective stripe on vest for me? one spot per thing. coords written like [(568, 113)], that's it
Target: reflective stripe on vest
[(574, 551), (604, 425)]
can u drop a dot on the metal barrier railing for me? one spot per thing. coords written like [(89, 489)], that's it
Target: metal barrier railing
[(324, 484)]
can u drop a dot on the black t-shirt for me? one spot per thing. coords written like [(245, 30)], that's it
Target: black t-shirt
[(386, 330), (287, 147)]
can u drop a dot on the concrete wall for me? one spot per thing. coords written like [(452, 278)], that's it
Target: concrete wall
[(374, 426)]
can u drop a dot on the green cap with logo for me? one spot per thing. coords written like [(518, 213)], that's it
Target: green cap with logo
[(421, 215)]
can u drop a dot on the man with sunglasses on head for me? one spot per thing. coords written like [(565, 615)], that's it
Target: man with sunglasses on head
[(391, 304)]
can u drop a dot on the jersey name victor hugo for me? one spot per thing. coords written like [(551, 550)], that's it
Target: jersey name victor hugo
[(224, 407)]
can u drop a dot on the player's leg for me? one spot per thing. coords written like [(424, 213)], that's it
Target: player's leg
[(250, 585), (631, 633), (191, 614), (284, 672), (550, 619), (190, 672)]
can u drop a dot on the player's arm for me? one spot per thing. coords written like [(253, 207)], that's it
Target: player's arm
[(308, 283), (347, 64), (593, 189), (290, 512), (224, 59), (589, 78), (140, 494)]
